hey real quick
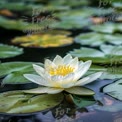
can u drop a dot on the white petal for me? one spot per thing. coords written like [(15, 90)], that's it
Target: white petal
[(80, 63), (56, 80), (74, 63), (92, 78), (68, 81), (69, 85), (49, 64), (58, 60), (37, 79), (78, 83), (67, 59), (82, 70), (39, 70), (78, 90), (41, 90), (63, 82), (54, 90)]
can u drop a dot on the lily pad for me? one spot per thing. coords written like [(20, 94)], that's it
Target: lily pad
[(19, 6), (50, 7), (71, 23), (114, 89), (107, 55), (14, 72), (109, 72), (96, 39), (27, 6), (117, 5), (72, 3), (43, 40), (82, 13), (25, 26), (13, 24), (20, 103), (7, 51), (107, 28), (77, 18), (108, 60)]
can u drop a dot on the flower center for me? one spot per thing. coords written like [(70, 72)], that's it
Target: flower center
[(61, 70)]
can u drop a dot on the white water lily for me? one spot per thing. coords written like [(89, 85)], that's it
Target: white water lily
[(62, 74)]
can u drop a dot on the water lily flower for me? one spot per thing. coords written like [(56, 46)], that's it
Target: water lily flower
[(62, 74)]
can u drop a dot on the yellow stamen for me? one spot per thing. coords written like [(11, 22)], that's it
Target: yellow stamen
[(61, 70)]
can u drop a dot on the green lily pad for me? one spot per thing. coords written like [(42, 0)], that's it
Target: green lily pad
[(109, 72), (110, 57), (14, 24), (117, 5), (50, 7), (20, 103), (43, 40), (28, 6), (15, 78), (71, 23), (14, 72), (107, 28), (72, 3), (82, 13), (7, 51), (96, 39), (114, 89), (19, 6), (24, 26), (77, 18), (108, 54)]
